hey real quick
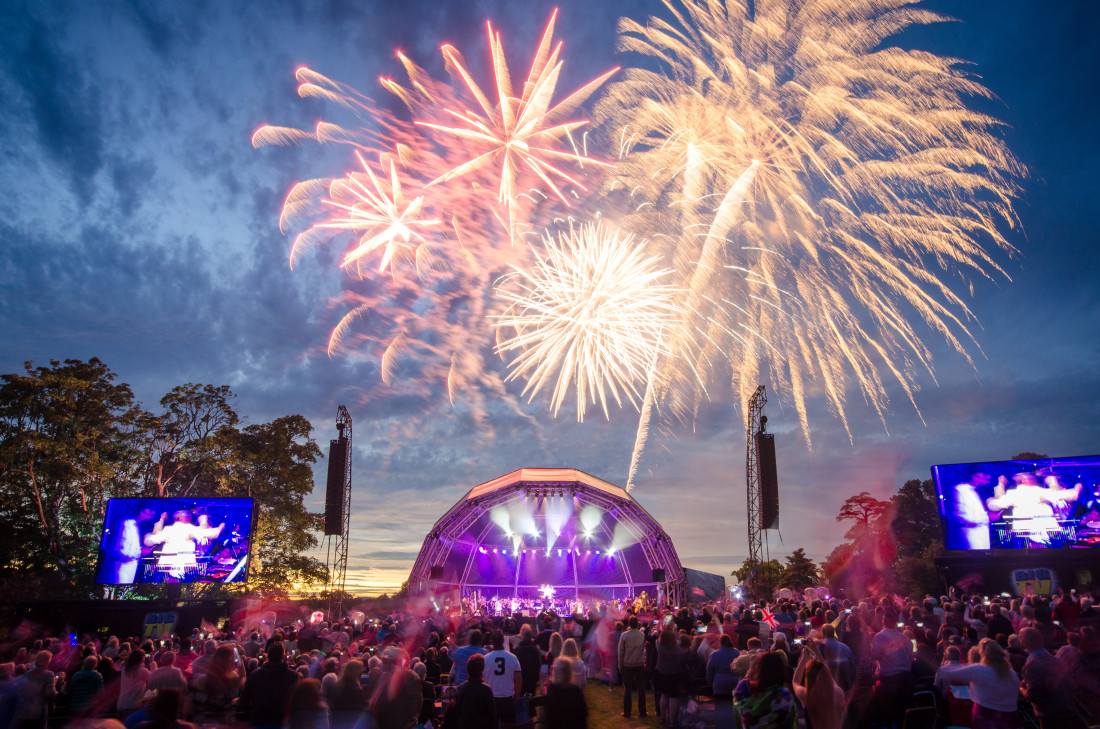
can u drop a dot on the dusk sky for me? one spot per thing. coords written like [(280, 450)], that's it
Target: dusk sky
[(139, 225)]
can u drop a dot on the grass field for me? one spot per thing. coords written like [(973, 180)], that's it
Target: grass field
[(605, 707)]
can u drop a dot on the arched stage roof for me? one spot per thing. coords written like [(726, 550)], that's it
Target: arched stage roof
[(547, 526)]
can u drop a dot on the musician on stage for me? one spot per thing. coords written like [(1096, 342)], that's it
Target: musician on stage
[(181, 540)]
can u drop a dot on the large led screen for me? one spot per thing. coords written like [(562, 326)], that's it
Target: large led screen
[(175, 540), (1050, 503)]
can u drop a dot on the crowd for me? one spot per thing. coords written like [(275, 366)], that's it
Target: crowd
[(805, 660)]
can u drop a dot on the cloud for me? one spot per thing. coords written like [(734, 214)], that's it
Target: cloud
[(63, 104)]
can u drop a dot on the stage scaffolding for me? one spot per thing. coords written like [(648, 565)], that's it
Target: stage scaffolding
[(337, 544)]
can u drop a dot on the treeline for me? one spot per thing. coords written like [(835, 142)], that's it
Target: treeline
[(890, 545), (72, 437)]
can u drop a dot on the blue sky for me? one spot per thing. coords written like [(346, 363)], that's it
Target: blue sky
[(138, 225)]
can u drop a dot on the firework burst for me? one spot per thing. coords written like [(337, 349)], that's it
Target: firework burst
[(380, 215), (450, 227), (592, 311), (817, 190), (519, 133)]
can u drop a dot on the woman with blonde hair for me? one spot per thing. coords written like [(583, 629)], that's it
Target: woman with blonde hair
[(570, 652), (994, 688), (816, 690)]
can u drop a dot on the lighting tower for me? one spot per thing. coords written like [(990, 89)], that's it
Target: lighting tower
[(338, 513), (757, 422)]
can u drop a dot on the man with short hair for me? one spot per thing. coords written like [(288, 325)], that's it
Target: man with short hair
[(252, 647), (185, 657), (84, 687), (395, 691), (742, 664), (631, 654), (474, 706), (463, 654), (838, 657), (265, 699), (36, 690), (720, 675), (1047, 685), (530, 660), (504, 676), (201, 665), (998, 623), (893, 655), (952, 661)]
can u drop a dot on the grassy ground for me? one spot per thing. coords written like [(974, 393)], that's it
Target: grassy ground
[(605, 707)]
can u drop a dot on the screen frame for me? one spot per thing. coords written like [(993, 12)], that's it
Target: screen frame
[(178, 502), (946, 476)]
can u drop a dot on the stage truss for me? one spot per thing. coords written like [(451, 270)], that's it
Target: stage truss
[(756, 421), (337, 544)]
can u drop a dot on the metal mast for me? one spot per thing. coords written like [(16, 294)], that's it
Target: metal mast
[(756, 421), (337, 544)]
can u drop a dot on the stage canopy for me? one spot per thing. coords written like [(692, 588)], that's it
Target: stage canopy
[(561, 527)]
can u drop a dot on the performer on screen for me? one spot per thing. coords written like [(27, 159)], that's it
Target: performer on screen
[(968, 526), (125, 552), (1032, 513), (181, 540), (1063, 500)]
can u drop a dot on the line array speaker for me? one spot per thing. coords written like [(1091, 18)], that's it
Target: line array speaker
[(658, 575), (435, 572), (769, 481), (334, 491)]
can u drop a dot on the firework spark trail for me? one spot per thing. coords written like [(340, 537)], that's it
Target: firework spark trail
[(593, 310), (814, 185)]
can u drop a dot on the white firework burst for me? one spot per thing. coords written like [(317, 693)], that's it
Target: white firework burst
[(592, 313)]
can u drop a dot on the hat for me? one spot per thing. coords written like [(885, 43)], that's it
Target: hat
[(393, 654)]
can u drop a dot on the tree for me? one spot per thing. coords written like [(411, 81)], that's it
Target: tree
[(182, 444), (762, 579), (864, 562), (70, 438), (863, 510), (273, 464), (800, 571), (916, 518), (66, 440)]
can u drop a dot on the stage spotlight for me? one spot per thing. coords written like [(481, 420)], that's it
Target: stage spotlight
[(495, 550)]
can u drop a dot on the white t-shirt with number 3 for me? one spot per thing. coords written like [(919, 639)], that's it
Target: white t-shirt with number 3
[(501, 668)]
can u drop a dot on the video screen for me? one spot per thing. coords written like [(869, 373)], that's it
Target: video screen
[(1052, 503), (148, 541)]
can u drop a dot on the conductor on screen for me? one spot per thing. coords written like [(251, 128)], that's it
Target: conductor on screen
[(968, 525), (181, 539)]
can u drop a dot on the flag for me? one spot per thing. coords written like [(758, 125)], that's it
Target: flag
[(769, 618)]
